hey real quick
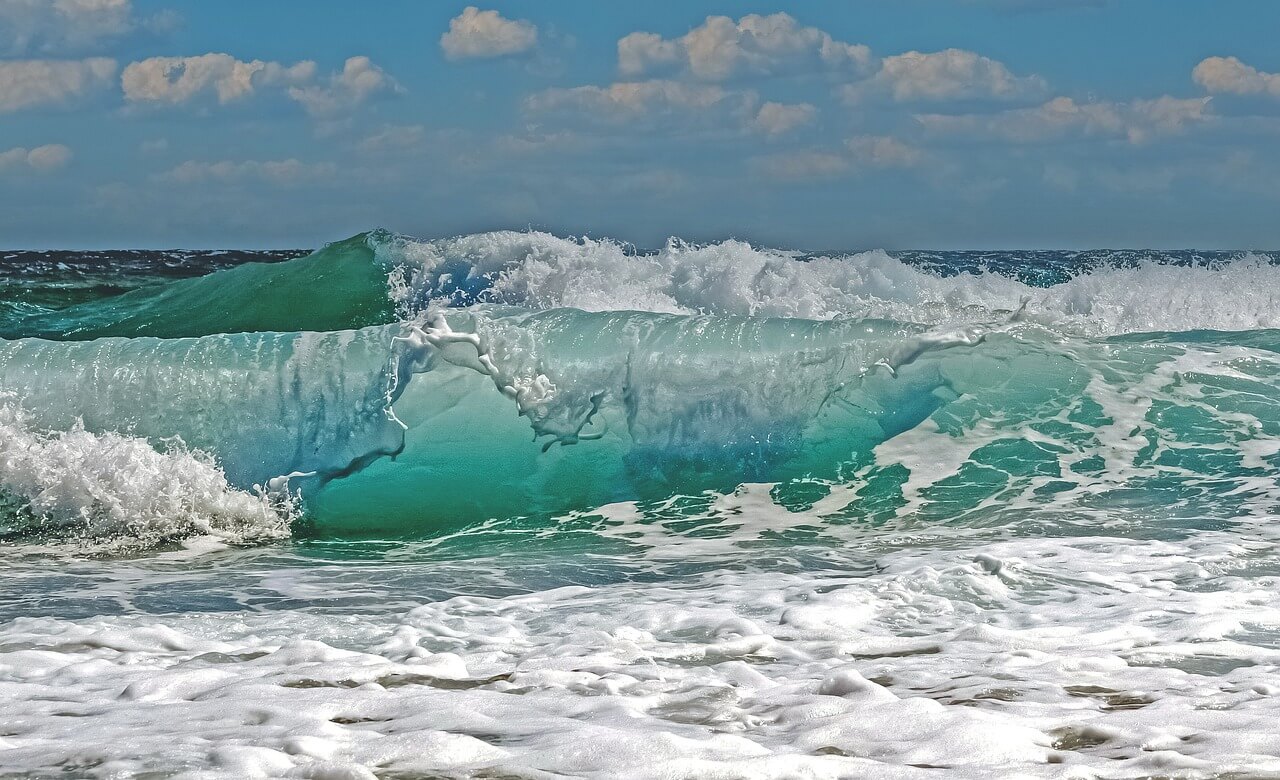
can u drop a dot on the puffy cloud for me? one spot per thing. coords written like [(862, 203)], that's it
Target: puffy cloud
[(721, 48), (1063, 117), (50, 157), (56, 25), (480, 34), (177, 80), (1164, 114), (29, 83), (775, 119), (359, 80), (280, 172), (643, 51), (945, 75), (881, 151), (1230, 75), (637, 99)]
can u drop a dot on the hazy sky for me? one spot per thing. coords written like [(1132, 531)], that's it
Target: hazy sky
[(854, 124)]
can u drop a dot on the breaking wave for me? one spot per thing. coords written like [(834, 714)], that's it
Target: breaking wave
[(403, 387)]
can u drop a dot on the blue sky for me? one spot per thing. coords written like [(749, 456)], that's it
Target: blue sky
[(866, 123)]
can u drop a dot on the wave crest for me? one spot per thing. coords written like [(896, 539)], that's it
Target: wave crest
[(541, 271), (380, 277)]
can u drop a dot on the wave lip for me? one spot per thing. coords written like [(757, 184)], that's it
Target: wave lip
[(1103, 295)]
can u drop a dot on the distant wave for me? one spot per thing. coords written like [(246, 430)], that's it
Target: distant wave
[(380, 277)]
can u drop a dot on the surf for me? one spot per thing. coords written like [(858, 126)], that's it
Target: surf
[(391, 387)]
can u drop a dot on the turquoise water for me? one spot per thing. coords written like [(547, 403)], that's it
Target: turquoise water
[(482, 506)]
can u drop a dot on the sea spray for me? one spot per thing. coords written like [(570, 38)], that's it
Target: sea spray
[(110, 490)]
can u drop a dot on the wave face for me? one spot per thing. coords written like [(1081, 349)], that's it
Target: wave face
[(404, 387), (340, 286)]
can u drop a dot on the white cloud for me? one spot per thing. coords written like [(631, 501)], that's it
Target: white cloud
[(280, 172), (59, 25), (1063, 117), (478, 34), (1230, 75), (881, 151), (945, 75), (50, 157), (180, 80), (775, 119), (394, 138), (639, 99), (29, 83), (721, 48), (359, 80), (176, 80), (1164, 114)]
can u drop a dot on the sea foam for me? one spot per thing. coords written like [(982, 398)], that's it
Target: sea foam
[(115, 489)]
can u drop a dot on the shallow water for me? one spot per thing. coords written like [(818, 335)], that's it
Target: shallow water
[(531, 507)]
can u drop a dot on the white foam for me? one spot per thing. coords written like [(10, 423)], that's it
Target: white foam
[(542, 271), (1093, 657), (118, 489)]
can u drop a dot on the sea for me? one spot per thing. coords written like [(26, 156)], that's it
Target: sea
[(514, 505)]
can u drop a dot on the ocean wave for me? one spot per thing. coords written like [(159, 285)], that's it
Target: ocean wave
[(403, 387), (340, 286), (492, 412), (418, 428)]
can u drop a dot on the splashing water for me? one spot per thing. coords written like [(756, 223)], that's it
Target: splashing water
[(517, 505)]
